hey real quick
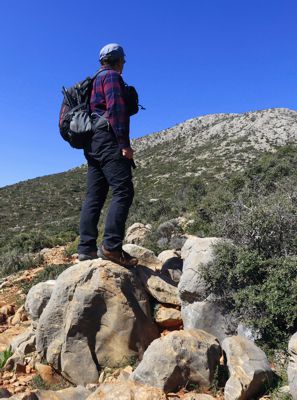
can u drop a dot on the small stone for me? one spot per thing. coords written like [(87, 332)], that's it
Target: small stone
[(7, 375), (168, 317), (47, 373)]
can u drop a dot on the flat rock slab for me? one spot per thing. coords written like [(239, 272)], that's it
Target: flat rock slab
[(126, 391), (196, 253), (292, 367), (98, 315), (250, 373), (145, 256), (158, 286), (179, 358)]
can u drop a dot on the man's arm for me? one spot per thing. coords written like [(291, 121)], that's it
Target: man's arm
[(117, 113)]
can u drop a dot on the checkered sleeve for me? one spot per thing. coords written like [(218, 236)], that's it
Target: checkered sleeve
[(117, 114)]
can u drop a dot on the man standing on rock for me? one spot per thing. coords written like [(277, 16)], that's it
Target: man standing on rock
[(110, 158)]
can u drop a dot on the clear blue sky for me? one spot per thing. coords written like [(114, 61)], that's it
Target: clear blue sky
[(186, 58)]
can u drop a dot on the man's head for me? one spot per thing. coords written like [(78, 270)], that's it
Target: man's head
[(112, 55)]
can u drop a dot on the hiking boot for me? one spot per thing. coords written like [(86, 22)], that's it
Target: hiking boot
[(120, 257), (89, 256)]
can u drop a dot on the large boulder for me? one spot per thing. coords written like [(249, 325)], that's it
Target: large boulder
[(158, 286), (250, 373), (37, 298), (145, 256), (126, 391), (98, 315), (137, 233), (196, 253), (292, 367), (210, 316), (179, 358)]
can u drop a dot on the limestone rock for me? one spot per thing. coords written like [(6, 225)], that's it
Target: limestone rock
[(210, 316), (47, 374), (292, 367), (38, 297), (146, 257), (25, 342), (158, 286), (77, 393), (167, 254), (137, 233), (126, 391), (168, 317), (197, 396), (20, 316), (8, 335), (250, 373), (179, 358), (98, 315), (196, 252)]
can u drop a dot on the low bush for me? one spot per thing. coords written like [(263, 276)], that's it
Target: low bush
[(261, 292)]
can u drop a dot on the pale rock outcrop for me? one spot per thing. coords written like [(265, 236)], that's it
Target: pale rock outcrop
[(167, 254), (77, 393), (137, 233), (37, 298), (98, 315), (19, 316), (210, 316), (196, 253), (23, 340), (9, 335), (21, 345), (179, 358), (146, 257), (126, 391), (158, 286), (250, 373), (292, 367), (168, 317), (197, 396)]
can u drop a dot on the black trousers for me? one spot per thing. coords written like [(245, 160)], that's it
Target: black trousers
[(106, 168)]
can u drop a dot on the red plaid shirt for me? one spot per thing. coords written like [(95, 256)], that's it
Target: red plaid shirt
[(108, 96)]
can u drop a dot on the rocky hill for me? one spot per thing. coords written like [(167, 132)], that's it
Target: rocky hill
[(216, 143), (170, 164), (198, 184)]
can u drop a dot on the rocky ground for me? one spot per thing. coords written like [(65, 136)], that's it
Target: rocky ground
[(160, 335)]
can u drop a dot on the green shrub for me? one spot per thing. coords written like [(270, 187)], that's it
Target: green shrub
[(259, 291), (4, 356), (13, 261)]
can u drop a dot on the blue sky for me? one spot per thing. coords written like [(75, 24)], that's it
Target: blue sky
[(185, 58)]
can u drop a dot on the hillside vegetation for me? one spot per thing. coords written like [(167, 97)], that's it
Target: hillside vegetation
[(229, 175)]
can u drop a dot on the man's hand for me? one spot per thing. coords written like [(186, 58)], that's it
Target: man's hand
[(127, 152)]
